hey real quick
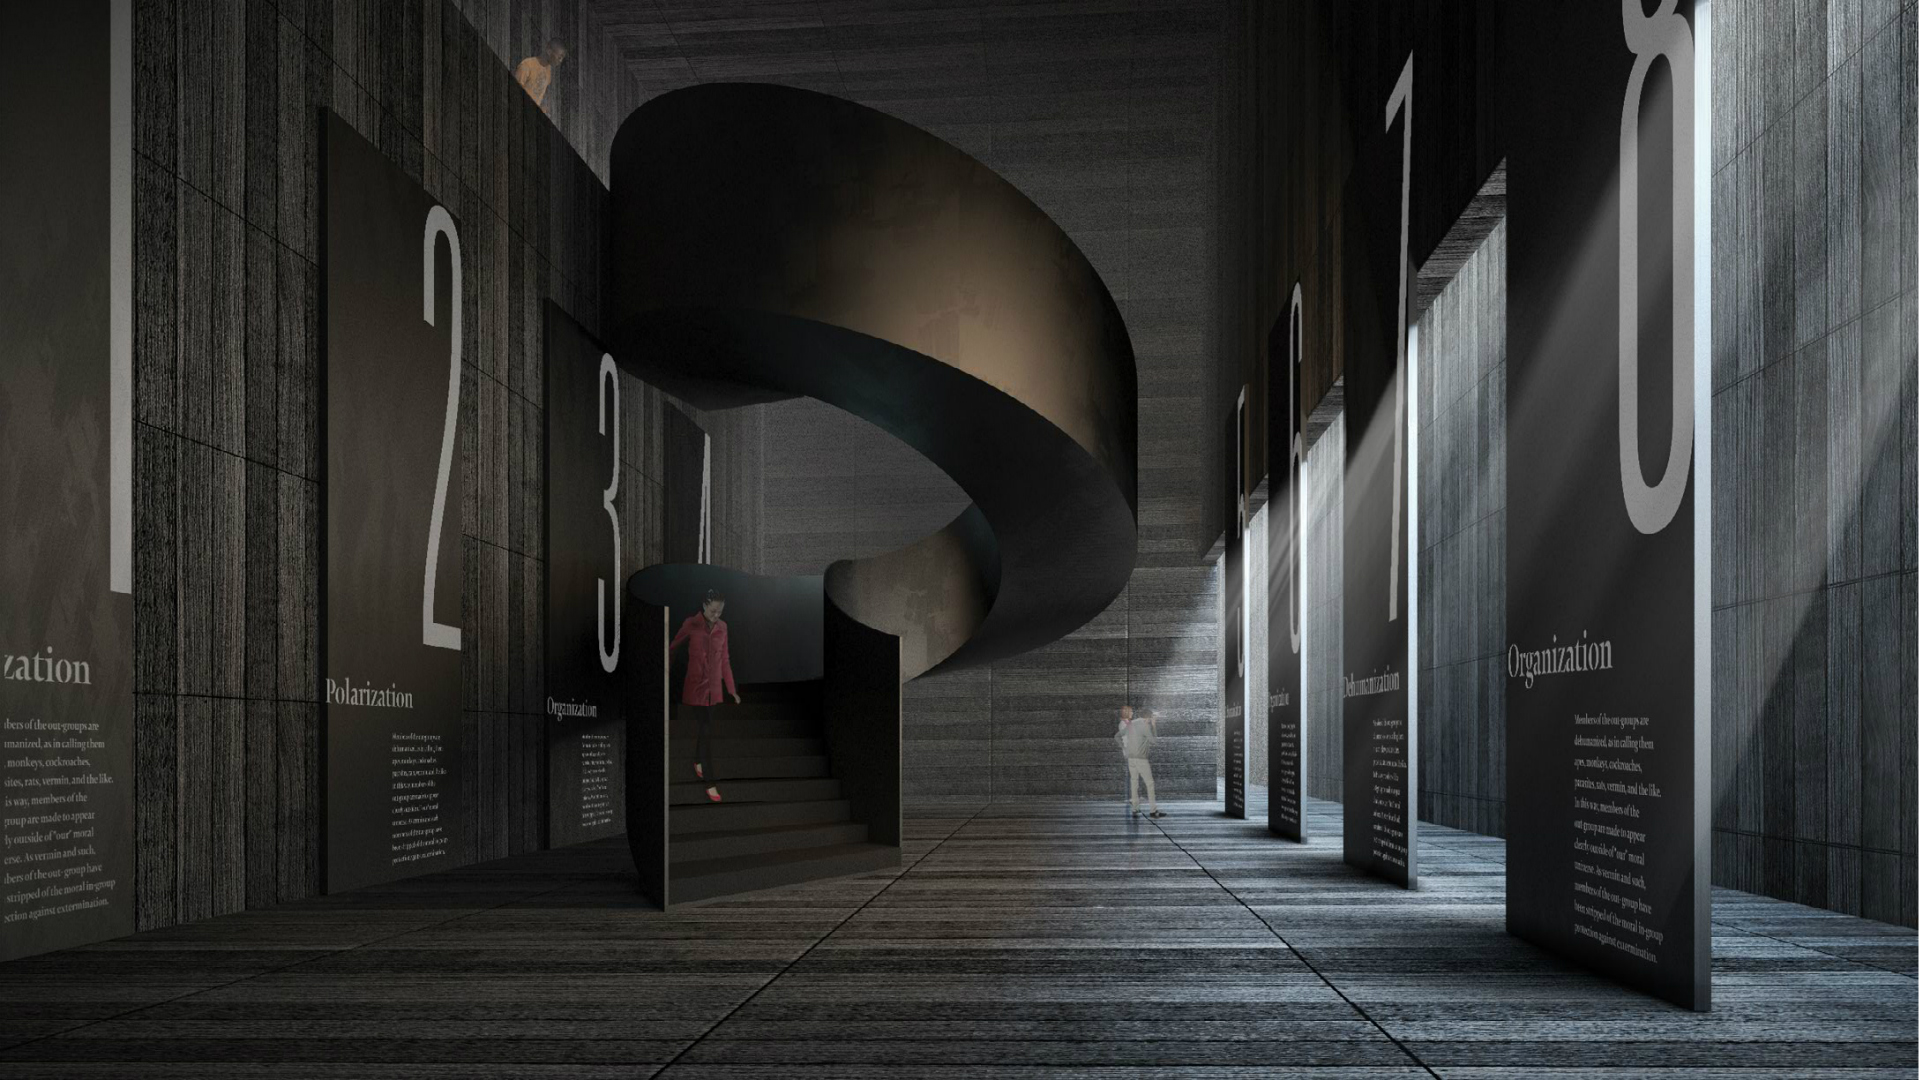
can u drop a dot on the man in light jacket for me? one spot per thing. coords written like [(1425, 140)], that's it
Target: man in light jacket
[(1135, 737)]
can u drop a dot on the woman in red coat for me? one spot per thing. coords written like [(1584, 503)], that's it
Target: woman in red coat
[(709, 668)]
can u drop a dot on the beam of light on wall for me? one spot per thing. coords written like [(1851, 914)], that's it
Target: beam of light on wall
[(1247, 564), (120, 302), (1736, 757), (705, 544), (1462, 418), (1411, 380), (1322, 475), (1703, 466), (1301, 518), (1258, 637)]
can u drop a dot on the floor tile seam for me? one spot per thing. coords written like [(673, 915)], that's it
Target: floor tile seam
[(1817, 952), (1362, 1013), (815, 944)]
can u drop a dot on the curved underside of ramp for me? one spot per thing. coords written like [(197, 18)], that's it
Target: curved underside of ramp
[(769, 243)]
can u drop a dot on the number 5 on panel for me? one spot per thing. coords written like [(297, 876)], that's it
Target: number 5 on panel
[(437, 634)]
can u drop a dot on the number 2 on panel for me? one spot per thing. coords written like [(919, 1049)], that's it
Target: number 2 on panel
[(609, 658), (437, 634), (1401, 98)]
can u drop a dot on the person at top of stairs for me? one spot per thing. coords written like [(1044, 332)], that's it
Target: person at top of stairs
[(709, 668)]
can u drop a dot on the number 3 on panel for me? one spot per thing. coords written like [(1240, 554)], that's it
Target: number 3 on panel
[(436, 634), (610, 658)]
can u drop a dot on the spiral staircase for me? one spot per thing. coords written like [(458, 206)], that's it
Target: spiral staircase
[(768, 243)]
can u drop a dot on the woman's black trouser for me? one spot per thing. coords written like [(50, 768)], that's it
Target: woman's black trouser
[(703, 739)]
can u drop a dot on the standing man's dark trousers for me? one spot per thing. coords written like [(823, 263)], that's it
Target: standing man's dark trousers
[(703, 739)]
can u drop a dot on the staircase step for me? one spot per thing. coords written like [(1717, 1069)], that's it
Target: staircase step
[(706, 878), (738, 721), (757, 707), (749, 709), (753, 768), (681, 750), (805, 693), (716, 817), (733, 842), (755, 791)]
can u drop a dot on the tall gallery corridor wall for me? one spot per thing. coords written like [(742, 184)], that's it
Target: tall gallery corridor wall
[(226, 229)]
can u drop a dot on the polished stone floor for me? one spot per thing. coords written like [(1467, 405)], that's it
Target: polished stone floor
[(1019, 940)]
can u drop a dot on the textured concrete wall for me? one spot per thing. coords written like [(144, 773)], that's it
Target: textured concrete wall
[(1463, 545), (227, 425), (1257, 648), (839, 488), (1323, 569), (592, 89), (1814, 453)]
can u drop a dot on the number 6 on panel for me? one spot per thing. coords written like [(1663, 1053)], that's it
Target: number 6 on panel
[(609, 658), (436, 634)]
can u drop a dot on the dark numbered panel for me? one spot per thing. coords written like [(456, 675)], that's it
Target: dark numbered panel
[(1607, 706), (1380, 727), (1285, 622), (1233, 586), (586, 589), (393, 565), (66, 449)]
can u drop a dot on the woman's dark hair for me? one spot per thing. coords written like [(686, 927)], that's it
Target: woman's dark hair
[(713, 595)]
